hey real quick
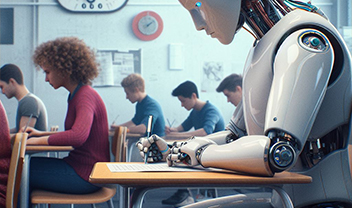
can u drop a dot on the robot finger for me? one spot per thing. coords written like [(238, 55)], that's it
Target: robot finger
[(175, 150), (174, 157), (139, 146), (178, 144)]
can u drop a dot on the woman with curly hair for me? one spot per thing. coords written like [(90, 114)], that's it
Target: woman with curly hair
[(5, 154), (68, 62)]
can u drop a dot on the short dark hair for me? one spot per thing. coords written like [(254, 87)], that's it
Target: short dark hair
[(230, 83), (9, 71), (186, 89)]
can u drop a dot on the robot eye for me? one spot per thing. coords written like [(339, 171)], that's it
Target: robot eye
[(198, 4)]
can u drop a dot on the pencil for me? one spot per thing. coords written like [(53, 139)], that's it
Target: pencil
[(149, 131), (29, 120)]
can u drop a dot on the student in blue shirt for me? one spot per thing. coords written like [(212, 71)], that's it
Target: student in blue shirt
[(134, 88), (205, 118)]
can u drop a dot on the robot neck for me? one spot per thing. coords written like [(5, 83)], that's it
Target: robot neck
[(262, 15)]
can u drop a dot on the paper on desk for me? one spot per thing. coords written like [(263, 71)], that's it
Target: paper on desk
[(149, 167)]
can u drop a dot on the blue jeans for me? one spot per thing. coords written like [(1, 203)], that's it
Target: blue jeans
[(53, 174)]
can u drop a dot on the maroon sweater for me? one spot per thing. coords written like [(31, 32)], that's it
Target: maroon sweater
[(5, 154), (87, 130)]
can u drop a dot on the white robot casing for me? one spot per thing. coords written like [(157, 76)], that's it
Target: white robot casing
[(297, 95), (303, 92)]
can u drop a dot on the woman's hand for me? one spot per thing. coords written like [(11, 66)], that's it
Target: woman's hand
[(32, 132), (38, 140)]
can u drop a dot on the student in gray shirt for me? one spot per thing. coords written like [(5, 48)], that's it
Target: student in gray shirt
[(29, 106)]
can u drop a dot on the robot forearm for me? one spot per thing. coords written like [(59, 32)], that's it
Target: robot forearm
[(221, 137), (258, 155), (249, 154)]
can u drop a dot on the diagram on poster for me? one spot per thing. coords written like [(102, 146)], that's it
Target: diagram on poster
[(213, 73)]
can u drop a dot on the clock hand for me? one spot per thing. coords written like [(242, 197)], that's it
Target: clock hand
[(149, 24)]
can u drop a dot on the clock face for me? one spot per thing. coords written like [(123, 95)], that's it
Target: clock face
[(147, 25), (93, 5)]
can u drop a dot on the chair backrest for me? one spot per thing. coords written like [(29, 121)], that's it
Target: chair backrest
[(18, 142), (119, 146)]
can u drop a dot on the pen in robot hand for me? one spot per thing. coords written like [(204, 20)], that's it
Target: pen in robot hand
[(149, 130)]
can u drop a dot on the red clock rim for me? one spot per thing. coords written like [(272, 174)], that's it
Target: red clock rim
[(141, 35)]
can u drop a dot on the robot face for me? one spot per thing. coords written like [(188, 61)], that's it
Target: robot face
[(218, 18)]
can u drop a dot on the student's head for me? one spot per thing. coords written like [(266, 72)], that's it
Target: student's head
[(10, 76), (133, 85), (66, 59), (219, 18), (231, 86), (187, 93)]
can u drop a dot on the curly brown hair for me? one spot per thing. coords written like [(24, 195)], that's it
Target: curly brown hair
[(69, 56)]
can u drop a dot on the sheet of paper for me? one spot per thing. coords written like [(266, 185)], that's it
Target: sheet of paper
[(149, 167)]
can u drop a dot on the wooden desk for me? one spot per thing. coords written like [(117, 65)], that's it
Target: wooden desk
[(102, 175), (32, 149), (47, 148)]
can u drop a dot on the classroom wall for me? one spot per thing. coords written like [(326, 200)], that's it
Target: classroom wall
[(43, 20)]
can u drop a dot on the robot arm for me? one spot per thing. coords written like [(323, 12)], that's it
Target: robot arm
[(301, 71), (157, 149)]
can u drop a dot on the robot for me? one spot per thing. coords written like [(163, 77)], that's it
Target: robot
[(296, 100)]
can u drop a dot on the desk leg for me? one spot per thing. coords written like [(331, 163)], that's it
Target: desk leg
[(24, 190), (124, 197), (286, 200), (138, 197)]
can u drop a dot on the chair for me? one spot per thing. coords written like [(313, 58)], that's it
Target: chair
[(103, 195), (119, 145), (18, 142)]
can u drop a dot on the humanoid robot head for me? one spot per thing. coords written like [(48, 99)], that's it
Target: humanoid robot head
[(219, 18)]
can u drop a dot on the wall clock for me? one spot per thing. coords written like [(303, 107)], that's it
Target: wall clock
[(147, 25), (93, 5)]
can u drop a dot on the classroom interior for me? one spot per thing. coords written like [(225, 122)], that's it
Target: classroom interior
[(178, 54)]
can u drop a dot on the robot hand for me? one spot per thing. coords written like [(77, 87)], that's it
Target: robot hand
[(154, 147), (188, 152)]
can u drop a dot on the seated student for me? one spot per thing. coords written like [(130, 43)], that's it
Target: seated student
[(134, 87), (204, 117), (29, 105), (231, 87), (69, 63), (5, 154)]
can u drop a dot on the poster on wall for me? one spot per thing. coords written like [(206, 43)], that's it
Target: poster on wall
[(213, 73), (116, 65)]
